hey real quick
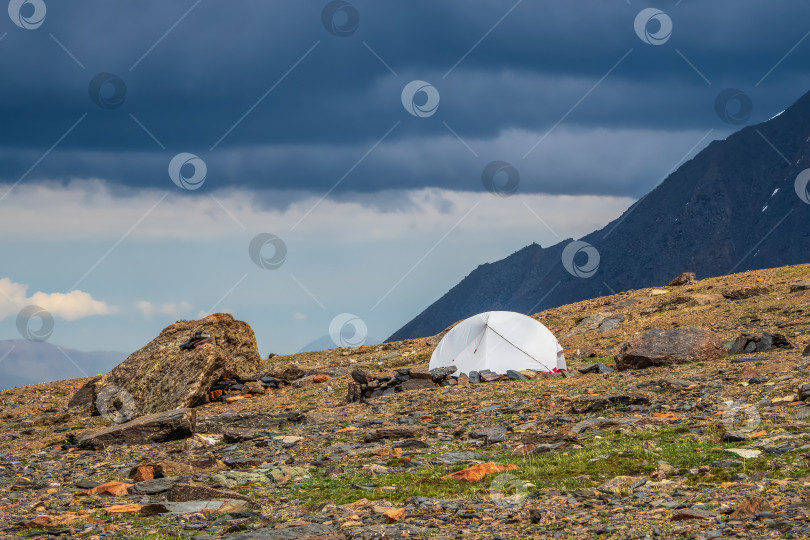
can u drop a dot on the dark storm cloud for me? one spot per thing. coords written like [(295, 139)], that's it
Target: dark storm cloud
[(189, 87)]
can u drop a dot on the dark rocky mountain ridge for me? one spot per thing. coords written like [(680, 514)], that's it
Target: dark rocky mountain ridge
[(731, 208)]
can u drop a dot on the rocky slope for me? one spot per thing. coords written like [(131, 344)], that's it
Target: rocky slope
[(707, 448), (731, 208)]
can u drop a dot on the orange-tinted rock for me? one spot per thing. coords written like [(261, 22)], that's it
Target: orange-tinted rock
[(750, 507), (123, 509), (477, 472), (394, 515), (46, 522), (115, 489), (321, 378), (143, 473)]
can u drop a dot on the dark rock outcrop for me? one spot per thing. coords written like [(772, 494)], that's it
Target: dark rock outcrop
[(246, 421), (664, 347), (586, 404), (393, 432), (745, 292), (153, 428), (596, 368), (759, 343), (309, 531)]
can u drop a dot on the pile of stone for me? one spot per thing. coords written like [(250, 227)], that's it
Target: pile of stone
[(486, 375), (748, 343), (233, 389), (366, 386)]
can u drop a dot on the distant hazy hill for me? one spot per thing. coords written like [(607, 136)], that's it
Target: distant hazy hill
[(732, 208), (28, 362)]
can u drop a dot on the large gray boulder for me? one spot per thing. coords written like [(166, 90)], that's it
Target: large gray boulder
[(161, 376), (664, 347)]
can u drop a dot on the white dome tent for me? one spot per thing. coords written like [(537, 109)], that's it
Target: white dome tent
[(499, 341)]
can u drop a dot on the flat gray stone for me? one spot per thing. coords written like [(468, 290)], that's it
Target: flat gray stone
[(622, 484), (158, 485), (193, 507), (452, 458)]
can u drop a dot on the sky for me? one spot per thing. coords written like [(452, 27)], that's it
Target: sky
[(331, 168)]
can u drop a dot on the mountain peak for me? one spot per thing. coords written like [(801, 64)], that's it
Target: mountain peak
[(729, 209)]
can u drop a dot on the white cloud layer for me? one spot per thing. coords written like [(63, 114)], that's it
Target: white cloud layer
[(71, 306), (353, 219)]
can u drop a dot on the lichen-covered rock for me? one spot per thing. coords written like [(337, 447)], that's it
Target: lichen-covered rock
[(161, 376), (687, 278), (664, 347)]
